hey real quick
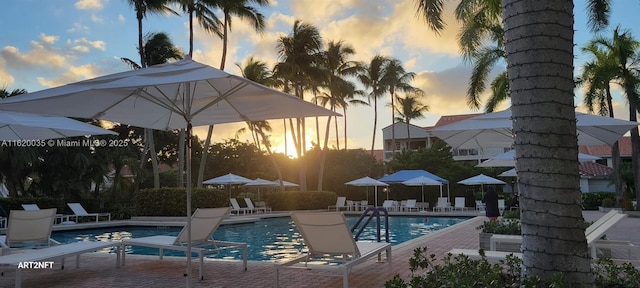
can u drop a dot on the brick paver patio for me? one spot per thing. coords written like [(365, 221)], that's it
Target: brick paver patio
[(98, 270)]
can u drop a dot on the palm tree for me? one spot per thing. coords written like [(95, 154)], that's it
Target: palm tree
[(258, 72), (243, 11), (299, 54), (371, 78), (622, 63), (539, 46), (142, 7), (410, 108), (597, 76), (395, 77), (203, 11), (336, 67), (345, 102), (158, 49)]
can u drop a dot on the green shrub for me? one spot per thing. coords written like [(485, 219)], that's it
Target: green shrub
[(504, 226), (591, 201), (607, 202), (462, 271), (511, 214)]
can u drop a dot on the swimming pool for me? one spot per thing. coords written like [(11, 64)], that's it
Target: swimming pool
[(268, 239)]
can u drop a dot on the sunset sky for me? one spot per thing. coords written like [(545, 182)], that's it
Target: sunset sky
[(50, 43)]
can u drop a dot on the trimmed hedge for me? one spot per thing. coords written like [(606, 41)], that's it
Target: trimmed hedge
[(591, 200), (172, 201)]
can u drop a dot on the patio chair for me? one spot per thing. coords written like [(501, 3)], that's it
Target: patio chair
[(460, 204), (29, 229), (250, 205), (79, 211), (328, 237), (59, 218), (479, 205), (204, 223), (340, 204), (364, 204), (443, 205), (390, 205), (501, 206), (235, 207), (54, 254), (410, 205)]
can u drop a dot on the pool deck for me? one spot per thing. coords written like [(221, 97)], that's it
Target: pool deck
[(97, 270)]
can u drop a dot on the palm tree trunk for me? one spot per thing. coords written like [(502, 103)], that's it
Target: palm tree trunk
[(203, 156), (344, 109), (540, 69), (373, 139), (635, 148), (154, 160), (408, 136), (335, 123), (323, 157), (615, 155), (284, 124), (393, 126)]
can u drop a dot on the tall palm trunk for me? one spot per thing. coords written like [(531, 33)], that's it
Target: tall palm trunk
[(393, 126), (615, 156), (408, 136), (207, 141), (540, 69), (375, 124), (323, 158), (635, 146), (344, 114), (335, 123), (149, 142)]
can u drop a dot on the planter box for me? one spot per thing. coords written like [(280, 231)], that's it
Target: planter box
[(506, 247)]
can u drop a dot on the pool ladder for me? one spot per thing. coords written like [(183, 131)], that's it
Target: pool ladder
[(372, 212)]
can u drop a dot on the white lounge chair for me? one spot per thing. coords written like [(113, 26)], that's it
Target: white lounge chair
[(390, 205), (328, 236), (204, 223), (459, 204), (443, 205), (32, 229), (29, 229), (340, 204), (410, 205), (235, 207), (250, 205), (59, 218), (78, 211)]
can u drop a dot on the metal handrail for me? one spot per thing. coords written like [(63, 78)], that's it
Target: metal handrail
[(375, 212)]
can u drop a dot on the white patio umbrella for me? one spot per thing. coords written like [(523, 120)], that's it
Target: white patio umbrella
[(509, 173), (423, 181), (259, 183), (285, 183), (368, 182), (169, 96), (494, 130), (227, 180), (508, 159), (481, 180), (27, 126)]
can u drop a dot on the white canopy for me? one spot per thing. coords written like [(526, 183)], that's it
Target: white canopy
[(508, 160), (259, 182), (423, 181), (26, 126), (509, 173), (227, 180), (368, 181), (286, 183), (480, 180), (494, 130)]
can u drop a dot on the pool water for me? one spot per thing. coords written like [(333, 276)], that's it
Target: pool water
[(268, 239)]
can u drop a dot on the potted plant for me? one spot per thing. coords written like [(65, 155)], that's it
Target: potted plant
[(504, 226)]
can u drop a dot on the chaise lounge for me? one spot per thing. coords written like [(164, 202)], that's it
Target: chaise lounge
[(328, 236), (204, 223)]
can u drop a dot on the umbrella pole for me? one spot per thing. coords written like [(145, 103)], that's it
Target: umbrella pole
[(188, 158), (422, 193), (375, 192)]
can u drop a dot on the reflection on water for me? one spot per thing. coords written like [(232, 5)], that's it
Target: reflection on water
[(268, 240)]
